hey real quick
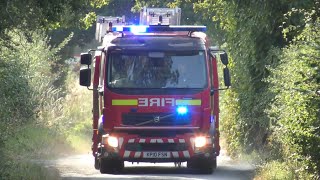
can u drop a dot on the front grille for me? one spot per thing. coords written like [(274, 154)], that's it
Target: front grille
[(155, 119), (156, 147)]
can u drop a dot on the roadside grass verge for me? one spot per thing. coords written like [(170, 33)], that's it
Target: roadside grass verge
[(36, 141), (29, 144), (28, 171), (77, 115), (66, 134), (275, 170)]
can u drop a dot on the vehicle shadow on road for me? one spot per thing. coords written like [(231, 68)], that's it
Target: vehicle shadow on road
[(182, 173), (220, 171), (158, 170)]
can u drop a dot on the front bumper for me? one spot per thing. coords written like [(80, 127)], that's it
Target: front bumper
[(178, 149)]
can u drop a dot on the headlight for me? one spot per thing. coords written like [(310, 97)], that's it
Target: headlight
[(200, 141), (110, 140), (113, 141)]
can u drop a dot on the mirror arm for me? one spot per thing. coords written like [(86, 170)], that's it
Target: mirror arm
[(89, 86), (91, 50), (220, 89)]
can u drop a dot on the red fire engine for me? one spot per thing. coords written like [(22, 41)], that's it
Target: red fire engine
[(155, 92)]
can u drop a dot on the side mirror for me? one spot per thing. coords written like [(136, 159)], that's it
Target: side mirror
[(224, 58), (85, 77), (226, 77), (85, 58)]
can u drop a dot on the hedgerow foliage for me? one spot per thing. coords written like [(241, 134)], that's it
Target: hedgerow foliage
[(16, 107), (27, 92), (295, 112), (29, 101)]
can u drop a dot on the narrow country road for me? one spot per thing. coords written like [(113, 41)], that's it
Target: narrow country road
[(81, 167)]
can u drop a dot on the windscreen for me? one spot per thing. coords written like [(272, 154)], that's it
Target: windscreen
[(157, 70)]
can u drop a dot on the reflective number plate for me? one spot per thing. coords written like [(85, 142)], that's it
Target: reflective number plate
[(156, 154)]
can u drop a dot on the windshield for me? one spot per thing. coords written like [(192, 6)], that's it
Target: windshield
[(157, 70)]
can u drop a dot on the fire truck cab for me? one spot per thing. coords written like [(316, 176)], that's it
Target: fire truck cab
[(155, 92)]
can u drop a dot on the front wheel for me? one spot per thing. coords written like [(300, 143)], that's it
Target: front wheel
[(204, 166), (111, 166), (96, 163)]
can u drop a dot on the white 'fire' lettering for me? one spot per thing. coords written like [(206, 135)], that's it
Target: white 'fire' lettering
[(153, 101), (156, 102), (142, 101)]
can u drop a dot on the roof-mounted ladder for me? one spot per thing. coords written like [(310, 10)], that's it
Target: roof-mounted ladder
[(105, 23), (160, 16)]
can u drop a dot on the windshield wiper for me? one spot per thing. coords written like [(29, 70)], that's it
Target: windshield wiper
[(155, 119)]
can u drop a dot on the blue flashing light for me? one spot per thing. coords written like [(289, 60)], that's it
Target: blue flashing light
[(138, 29), (118, 28), (182, 110), (158, 28)]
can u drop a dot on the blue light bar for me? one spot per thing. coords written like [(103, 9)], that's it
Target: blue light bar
[(118, 28), (138, 29), (158, 28)]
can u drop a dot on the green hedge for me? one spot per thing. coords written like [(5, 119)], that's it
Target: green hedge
[(295, 112), (30, 105)]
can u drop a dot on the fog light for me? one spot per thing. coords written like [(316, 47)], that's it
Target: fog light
[(113, 141), (200, 141)]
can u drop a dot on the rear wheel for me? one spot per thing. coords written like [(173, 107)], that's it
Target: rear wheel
[(111, 166)]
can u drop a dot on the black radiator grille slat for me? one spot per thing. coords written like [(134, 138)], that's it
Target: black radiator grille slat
[(156, 147), (169, 120)]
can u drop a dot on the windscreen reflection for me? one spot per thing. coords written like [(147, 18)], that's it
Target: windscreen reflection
[(173, 70)]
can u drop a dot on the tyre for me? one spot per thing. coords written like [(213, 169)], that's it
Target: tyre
[(111, 166), (214, 165), (203, 166), (96, 163), (206, 170), (207, 167)]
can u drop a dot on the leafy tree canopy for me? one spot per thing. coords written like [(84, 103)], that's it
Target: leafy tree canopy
[(44, 14)]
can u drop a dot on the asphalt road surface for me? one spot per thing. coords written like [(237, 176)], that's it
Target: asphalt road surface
[(81, 167)]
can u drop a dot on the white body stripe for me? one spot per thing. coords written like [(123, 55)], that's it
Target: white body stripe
[(186, 154), (153, 140), (170, 141), (182, 141), (175, 154), (126, 154), (137, 154), (120, 142), (131, 141), (142, 140), (159, 141)]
